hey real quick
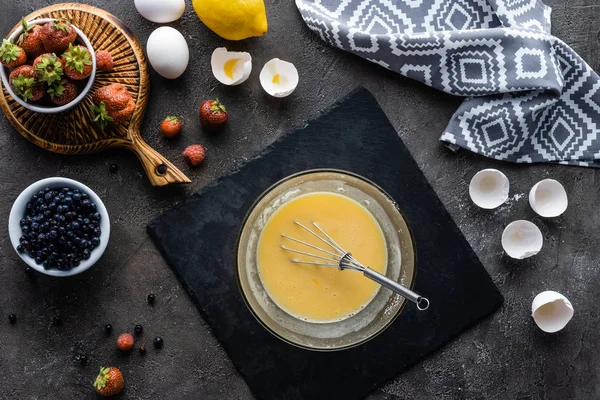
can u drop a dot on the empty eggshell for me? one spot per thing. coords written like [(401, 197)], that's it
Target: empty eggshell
[(161, 11), (548, 198), (522, 239), (168, 52), (279, 78), (551, 311), (231, 67), (489, 188)]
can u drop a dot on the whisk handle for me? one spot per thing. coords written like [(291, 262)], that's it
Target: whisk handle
[(421, 302)]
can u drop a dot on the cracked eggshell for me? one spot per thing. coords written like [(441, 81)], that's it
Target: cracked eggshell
[(548, 198), (522, 239), (489, 188), (279, 78), (168, 52), (231, 67), (551, 311), (160, 11)]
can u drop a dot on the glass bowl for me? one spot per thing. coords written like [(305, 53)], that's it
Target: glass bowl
[(366, 323)]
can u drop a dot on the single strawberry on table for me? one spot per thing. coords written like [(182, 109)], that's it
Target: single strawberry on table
[(24, 82), (11, 55), (113, 103), (77, 62), (31, 40), (171, 127), (49, 68), (104, 61), (213, 114), (63, 92), (109, 382), (125, 342), (195, 154), (57, 35)]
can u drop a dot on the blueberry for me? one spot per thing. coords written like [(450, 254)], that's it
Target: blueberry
[(35, 226), (25, 229), (97, 232), (86, 254), (75, 225), (138, 329), (95, 241), (47, 196), (70, 235), (68, 201), (39, 261), (84, 196), (44, 208), (47, 265), (96, 216), (39, 201), (20, 249), (113, 168), (12, 318), (151, 298), (158, 342), (108, 328), (76, 196), (57, 320)]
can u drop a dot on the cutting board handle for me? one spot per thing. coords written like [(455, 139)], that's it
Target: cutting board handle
[(159, 170)]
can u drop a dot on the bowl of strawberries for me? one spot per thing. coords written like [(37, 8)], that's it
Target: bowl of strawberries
[(48, 65)]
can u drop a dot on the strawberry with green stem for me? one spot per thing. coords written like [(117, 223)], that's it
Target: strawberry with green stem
[(109, 382), (49, 68), (23, 81), (31, 40), (213, 114), (57, 35), (77, 62), (11, 55), (62, 92), (118, 104)]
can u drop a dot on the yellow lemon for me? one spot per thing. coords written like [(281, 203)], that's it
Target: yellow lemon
[(233, 19)]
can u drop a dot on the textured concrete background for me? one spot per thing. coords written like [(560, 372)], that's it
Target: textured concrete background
[(505, 357)]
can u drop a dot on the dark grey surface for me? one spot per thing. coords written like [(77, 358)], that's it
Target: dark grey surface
[(506, 357)]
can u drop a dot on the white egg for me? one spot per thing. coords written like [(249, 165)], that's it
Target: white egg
[(489, 188), (168, 52), (551, 311), (231, 67), (522, 239), (548, 198), (279, 78), (161, 11)]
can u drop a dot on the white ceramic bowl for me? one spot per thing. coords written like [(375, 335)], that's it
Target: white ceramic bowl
[(18, 211), (4, 72)]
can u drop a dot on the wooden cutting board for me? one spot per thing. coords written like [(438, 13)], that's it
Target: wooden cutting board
[(74, 131)]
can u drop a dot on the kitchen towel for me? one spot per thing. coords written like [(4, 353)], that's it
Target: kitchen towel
[(530, 97), (198, 240)]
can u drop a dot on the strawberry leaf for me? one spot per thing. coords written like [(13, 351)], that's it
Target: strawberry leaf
[(100, 114)]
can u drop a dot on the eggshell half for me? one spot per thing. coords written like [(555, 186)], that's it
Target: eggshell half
[(489, 188), (168, 52), (548, 198), (551, 311), (279, 78), (522, 239), (231, 67)]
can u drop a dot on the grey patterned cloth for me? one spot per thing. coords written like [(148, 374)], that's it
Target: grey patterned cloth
[(530, 98)]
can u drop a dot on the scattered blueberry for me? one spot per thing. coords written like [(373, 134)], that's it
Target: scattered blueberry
[(138, 329), (113, 168), (12, 318), (151, 299), (108, 328), (142, 349), (59, 228), (158, 342), (57, 320)]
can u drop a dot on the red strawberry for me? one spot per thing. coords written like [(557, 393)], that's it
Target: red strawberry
[(104, 60), (63, 92), (171, 127), (113, 104), (77, 62), (25, 84), (11, 55), (31, 40), (109, 382), (49, 68), (195, 154), (125, 342), (213, 115), (57, 35)]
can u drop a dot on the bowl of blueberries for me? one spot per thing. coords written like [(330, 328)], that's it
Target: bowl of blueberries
[(59, 227)]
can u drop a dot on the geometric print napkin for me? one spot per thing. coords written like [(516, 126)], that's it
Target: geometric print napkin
[(529, 97)]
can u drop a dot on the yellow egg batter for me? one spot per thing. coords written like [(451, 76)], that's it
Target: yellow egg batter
[(316, 293)]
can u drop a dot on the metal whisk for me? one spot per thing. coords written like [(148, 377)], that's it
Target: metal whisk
[(340, 258)]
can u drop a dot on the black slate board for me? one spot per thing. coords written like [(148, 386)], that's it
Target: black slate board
[(198, 240)]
